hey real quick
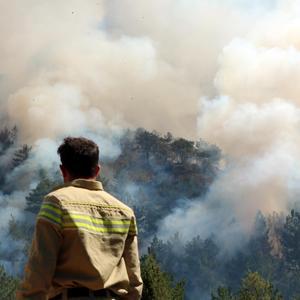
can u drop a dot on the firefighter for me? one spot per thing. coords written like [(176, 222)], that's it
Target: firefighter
[(85, 240)]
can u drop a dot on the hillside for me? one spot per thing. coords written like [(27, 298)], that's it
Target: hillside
[(155, 175)]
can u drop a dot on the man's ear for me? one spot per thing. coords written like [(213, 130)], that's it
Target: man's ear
[(66, 174), (97, 170), (63, 171)]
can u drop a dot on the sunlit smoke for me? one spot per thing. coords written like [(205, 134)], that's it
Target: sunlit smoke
[(143, 67), (254, 119), (225, 71)]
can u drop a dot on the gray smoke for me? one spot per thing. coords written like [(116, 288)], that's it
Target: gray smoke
[(254, 118), (108, 64), (226, 71)]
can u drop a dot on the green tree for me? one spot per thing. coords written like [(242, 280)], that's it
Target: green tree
[(7, 138), (35, 197), (254, 287), (201, 263), (223, 293), (146, 141), (159, 285), (183, 149), (20, 155), (8, 285), (291, 241)]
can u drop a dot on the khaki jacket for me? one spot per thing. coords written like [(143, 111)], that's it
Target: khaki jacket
[(84, 237)]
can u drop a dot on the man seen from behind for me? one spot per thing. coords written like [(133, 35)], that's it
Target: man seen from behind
[(85, 240)]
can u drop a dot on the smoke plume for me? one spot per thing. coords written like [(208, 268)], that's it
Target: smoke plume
[(104, 63), (254, 118), (225, 71)]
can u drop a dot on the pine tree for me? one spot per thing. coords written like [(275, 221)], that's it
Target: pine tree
[(20, 155), (8, 285), (291, 241), (254, 287), (223, 293), (35, 197), (7, 138), (158, 285)]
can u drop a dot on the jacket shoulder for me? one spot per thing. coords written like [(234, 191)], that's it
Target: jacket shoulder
[(113, 201), (59, 192), (101, 198)]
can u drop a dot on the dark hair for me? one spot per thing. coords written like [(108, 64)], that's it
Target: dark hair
[(79, 156)]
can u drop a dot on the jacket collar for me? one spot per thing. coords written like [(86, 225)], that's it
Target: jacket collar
[(87, 184)]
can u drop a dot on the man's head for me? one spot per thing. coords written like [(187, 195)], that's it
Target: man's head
[(79, 158)]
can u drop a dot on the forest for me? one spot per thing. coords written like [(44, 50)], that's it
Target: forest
[(154, 174)]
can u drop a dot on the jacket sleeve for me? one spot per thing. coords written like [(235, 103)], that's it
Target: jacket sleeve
[(132, 261), (43, 254)]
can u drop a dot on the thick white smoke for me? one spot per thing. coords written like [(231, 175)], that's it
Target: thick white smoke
[(223, 70), (134, 63), (255, 119)]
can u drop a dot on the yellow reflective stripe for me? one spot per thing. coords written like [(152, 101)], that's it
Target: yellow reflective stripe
[(50, 212), (51, 207), (50, 217), (94, 228), (51, 203), (98, 225), (97, 220)]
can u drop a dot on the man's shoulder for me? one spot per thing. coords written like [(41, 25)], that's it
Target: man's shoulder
[(113, 201), (65, 194), (60, 192)]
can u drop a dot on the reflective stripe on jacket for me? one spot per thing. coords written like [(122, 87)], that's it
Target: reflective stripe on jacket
[(84, 237)]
